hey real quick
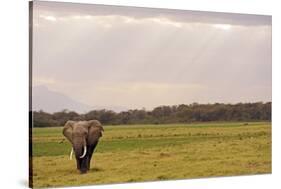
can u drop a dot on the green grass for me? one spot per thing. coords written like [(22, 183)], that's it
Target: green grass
[(156, 152)]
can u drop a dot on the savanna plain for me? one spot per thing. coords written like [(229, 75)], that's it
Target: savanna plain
[(138, 153)]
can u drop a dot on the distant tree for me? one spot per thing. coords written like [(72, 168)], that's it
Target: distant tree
[(65, 115), (43, 119), (182, 113)]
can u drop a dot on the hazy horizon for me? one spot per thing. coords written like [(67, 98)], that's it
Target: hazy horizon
[(114, 56)]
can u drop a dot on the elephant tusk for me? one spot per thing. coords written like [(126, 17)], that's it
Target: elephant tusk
[(71, 153), (85, 151)]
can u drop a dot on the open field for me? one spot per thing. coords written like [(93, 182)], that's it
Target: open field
[(156, 152)]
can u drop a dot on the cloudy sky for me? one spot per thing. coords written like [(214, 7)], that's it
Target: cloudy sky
[(110, 56)]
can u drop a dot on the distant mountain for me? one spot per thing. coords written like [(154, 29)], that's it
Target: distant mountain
[(51, 101)]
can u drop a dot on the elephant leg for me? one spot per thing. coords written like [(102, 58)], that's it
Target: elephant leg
[(85, 162), (87, 157), (83, 165), (91, 151), (78, 163), (90, 156)]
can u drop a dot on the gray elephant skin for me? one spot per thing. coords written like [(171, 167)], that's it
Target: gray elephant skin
[(84, 137)]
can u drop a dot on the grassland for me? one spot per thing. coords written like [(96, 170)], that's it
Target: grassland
[(156, 152)]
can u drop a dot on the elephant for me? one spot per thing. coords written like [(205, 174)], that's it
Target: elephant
[(84, 137)]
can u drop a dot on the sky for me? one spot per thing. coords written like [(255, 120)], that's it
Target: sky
[(114, 56)]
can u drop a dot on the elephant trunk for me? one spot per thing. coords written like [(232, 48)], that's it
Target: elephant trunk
[(80, 148)]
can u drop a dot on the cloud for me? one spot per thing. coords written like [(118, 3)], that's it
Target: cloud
[(63, 10), (141, 94), (135, 88), (151, 57), (222, 26), (108, 20), (37, 81), (49, 18)]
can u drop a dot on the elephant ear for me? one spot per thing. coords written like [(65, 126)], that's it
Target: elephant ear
[(95, 130), (67, 130)]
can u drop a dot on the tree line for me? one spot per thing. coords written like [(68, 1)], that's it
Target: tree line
[(183, 113)]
